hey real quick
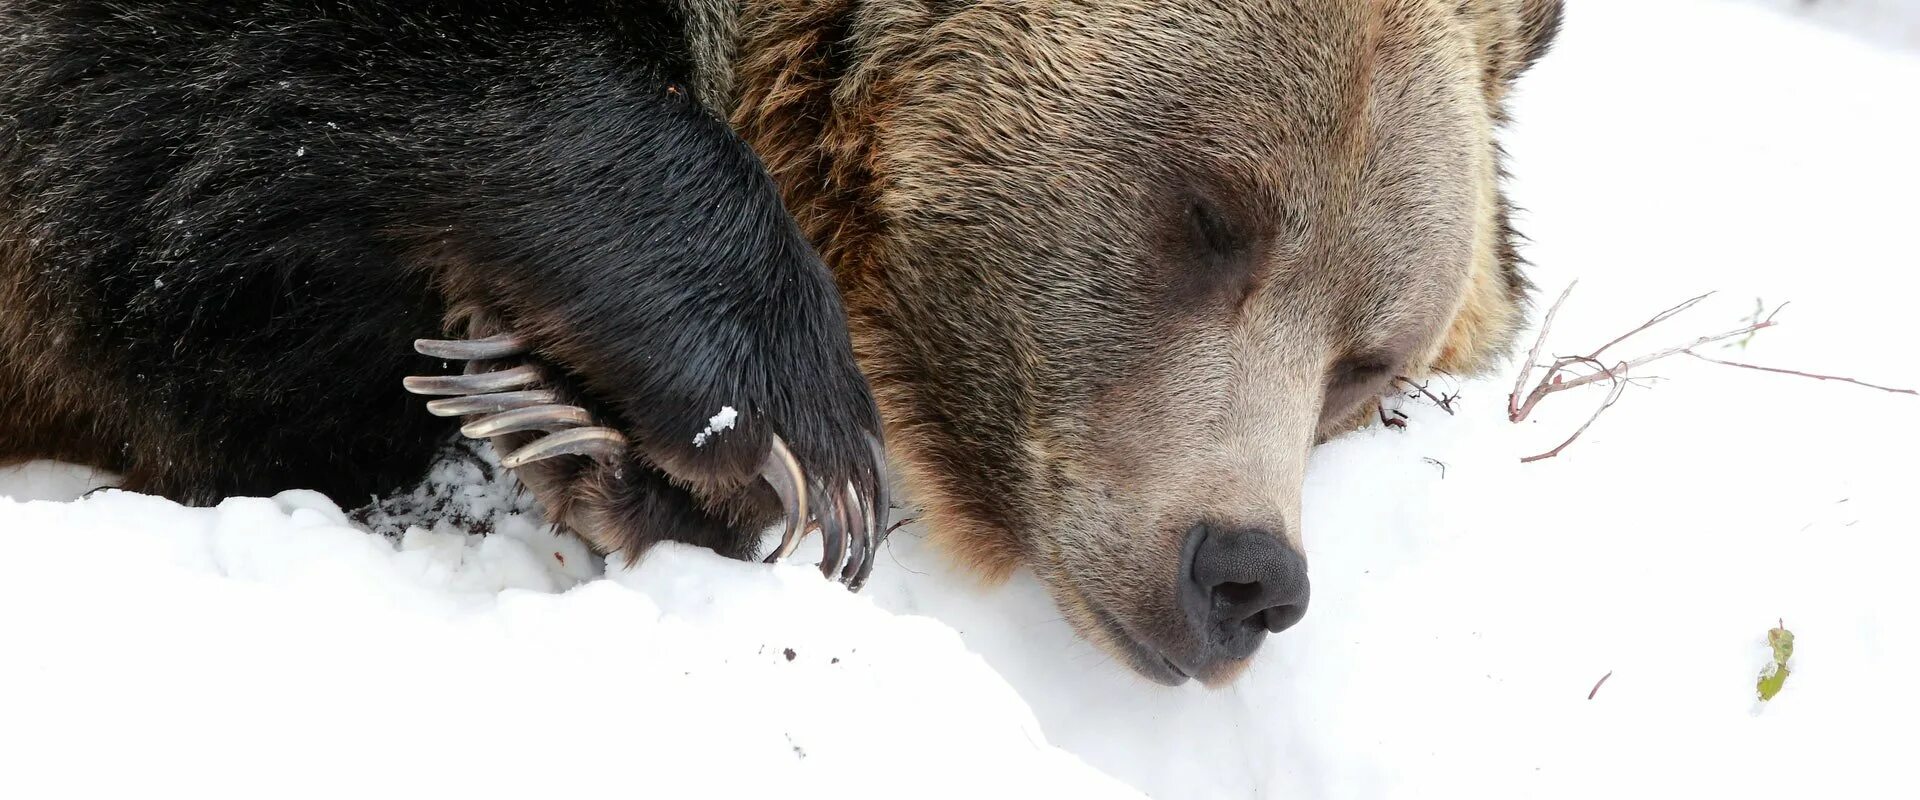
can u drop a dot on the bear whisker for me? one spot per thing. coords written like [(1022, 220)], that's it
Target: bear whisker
[(497, 346), (602, 443), (490, 403), (520, 377), (535, 418)]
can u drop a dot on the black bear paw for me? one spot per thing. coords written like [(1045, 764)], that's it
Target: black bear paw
[(593, 479)]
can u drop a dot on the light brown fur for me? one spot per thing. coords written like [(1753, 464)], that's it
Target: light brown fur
[(990, 181)]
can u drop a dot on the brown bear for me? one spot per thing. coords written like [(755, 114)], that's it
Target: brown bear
[(1113, 268), (1102, 273)]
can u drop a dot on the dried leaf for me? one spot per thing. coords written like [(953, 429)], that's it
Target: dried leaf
[(1781, 640)]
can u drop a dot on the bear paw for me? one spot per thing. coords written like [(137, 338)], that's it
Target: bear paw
[(594, 481)]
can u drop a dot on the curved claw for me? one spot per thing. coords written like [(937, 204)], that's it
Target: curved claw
[(782, 471), (833, 536), (877, 512), (602, 443), (490, 403), (857, 519), (520, 377), (532, 418), (497, 346)]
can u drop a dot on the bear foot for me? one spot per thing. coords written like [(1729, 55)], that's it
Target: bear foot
[(579, 466)]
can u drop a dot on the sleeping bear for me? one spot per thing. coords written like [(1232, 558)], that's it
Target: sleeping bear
[(1099, 274)]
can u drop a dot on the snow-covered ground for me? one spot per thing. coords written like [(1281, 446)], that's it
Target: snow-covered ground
[(1465, 604), (267, 648), (1889, 22)]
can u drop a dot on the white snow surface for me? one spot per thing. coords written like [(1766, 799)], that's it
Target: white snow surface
[(1893, 23), (1465, 604), (269, 648)]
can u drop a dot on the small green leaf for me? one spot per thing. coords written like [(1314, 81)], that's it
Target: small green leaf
[(1772, 679), (1774, 676)]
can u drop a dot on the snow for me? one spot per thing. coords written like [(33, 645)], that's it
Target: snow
[(1894, 23), (270, 648), (721, 421), (1465, 604)]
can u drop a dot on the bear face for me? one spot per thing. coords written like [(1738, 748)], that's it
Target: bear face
[(1114, 269)]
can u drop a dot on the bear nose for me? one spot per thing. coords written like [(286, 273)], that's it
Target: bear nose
[(1241, 584)]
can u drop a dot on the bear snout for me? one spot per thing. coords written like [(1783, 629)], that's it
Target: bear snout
[(1237, 586)]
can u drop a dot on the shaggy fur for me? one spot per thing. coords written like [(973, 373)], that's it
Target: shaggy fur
[(223, 224), (1114, 268)]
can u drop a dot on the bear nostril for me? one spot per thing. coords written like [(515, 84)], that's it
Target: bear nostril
[(1280, 618), (1231, 599), (1241, 584)]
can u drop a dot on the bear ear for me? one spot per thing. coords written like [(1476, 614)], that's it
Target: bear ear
[(1511, 36), (1537, 25)]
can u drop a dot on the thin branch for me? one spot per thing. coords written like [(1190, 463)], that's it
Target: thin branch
[(1599, 683), (1569, 372), (1445, 403), (1657, 319), (1612, 397), (1549, 386), (1533, 356), (1803, 374), (1600, 367)]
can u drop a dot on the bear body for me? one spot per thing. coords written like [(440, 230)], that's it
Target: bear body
[(1104, 272), (222, 227)]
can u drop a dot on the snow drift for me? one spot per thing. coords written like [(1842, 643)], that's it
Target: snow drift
[(269, 648)]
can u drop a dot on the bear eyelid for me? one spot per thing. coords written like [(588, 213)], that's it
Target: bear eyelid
[(1212, 230)]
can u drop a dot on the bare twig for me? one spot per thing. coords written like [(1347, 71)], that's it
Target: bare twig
[(1599, 683), (1612, 397), (1568, 372), (1445, 402), (1533, 356), (1657, 319), (1803, 374), (1556, 381)]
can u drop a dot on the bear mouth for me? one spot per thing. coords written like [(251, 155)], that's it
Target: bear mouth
[(1141, 657)]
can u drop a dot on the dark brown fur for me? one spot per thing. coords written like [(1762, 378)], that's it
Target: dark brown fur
[(223, 227)]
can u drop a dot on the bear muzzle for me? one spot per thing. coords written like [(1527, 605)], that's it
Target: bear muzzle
[(1235, 586), (1238, 585)]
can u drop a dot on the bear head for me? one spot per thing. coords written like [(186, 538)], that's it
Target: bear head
[(1113, 269)]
